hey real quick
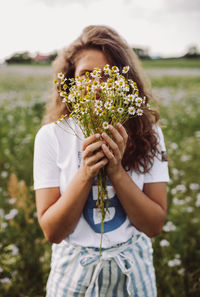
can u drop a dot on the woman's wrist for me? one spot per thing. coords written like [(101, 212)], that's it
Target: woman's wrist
[(116, 176)]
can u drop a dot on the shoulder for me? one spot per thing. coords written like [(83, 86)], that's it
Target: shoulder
[(159, 135)]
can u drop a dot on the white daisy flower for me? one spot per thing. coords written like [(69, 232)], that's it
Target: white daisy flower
[(65, 87), (120, 83), (98, 103), (139, 112), (71, 98), (115, 69), (131, 110), (106, 67), (95, 74), (107, 71), (131, 97), (63, 93), (120, 110), (60, 75), (105, 125), (107, 105), (126, 89), (138, 101), (125, 69)]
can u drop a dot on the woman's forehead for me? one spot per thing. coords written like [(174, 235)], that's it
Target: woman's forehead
[(89, 59)]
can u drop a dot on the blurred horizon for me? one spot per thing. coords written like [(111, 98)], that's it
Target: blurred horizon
[(164, 28)]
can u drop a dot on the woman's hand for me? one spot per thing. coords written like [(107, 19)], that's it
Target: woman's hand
[(114, 149), (93, 158)]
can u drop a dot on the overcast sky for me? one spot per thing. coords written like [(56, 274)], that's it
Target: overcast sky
[(165, 27)]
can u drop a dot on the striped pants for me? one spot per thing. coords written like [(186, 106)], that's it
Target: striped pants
[(122, 271)]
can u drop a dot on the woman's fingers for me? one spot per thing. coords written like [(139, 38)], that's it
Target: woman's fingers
[(122, 132), (95, 158), (89, 140)]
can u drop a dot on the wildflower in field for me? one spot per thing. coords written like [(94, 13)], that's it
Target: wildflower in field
[(198, 200), (12, 200), (169, 226), (4, 225), (14, 249), (177, 201), (174, 262), (164, 242), (181, 271), (181, 188), (189, 209), (5, 280), (11, 214), (194, 187)]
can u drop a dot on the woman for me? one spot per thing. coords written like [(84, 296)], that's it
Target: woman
[(64, 179)]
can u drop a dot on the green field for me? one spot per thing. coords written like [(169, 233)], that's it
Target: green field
[(172, 63), (25, 255)]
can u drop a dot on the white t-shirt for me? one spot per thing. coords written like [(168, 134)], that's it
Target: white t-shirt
[(57, 156)]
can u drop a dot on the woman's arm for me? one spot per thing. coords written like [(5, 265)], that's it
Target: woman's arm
[(58, 214), (146, 209)]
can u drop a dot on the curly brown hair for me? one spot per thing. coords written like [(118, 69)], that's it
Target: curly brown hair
[(142, 145)]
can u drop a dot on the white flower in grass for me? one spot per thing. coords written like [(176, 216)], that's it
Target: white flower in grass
[(181, 271), (131, 110), (5, 280), (174, 146), (125, 69), (61, 75), (177, 201), (188, 199), (98, 103), (139, 112), (164, 242), (11, 214), (189, 209), (174, 262), (14, 250), (169, 226), (12, 200), (107, 105), (181, 188), (194, 187), (4, 225), (105, 125), (120, 110), (198, 200)]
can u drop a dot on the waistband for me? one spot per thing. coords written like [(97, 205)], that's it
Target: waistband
[(120, 253)]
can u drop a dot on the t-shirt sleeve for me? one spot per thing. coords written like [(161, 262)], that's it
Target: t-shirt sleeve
[(159, 171), (45, 170)]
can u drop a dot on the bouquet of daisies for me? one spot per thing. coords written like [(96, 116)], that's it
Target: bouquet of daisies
[(94, 102)]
